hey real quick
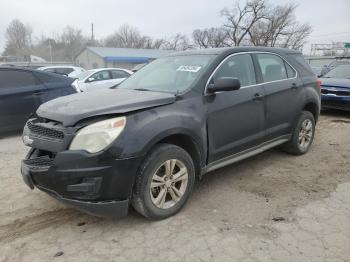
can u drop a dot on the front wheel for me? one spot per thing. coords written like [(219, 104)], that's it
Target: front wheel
[(303, 135), (164, 182)]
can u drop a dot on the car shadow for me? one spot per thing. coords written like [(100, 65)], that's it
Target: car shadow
[(335, 113), (9, 134)]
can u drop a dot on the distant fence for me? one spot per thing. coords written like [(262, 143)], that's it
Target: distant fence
[(35, 64), (319, 61)]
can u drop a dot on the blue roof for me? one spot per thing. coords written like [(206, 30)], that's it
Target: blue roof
[(128, 55)]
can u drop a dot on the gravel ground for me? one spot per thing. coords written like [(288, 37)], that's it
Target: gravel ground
[(272, 207)]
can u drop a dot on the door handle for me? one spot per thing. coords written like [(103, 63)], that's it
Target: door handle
[(258, 96), (38, 92), (294, 86)]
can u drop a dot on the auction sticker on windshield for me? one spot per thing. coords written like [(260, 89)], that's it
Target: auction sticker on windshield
[(193, 69)]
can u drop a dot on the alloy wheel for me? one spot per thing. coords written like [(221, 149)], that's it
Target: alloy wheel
[(169, 184), (305, 134)]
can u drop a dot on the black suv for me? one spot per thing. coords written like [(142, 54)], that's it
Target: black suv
[(145, 142)]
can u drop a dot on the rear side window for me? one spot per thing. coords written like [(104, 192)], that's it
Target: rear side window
[(16, 78), (119, 74), (299, 59), (290, 71), (64, 71), (272, 67), (240, 67), (51, 70), (49, 78)]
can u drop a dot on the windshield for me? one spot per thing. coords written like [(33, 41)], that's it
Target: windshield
[(339, 72), (83, 75), (169, 74)]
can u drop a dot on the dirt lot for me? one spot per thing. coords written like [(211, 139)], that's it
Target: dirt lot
[(273, 207)]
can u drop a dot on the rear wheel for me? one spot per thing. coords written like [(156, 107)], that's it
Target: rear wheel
[(164, 182), (303, 135)]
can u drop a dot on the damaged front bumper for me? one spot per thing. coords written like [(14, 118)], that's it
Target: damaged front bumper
[(96, 184)]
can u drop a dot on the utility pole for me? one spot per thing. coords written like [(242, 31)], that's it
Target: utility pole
[(92, 32), (50, 46)]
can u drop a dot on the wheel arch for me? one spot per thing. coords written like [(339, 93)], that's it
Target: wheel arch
[(313, 108), (184, 139)]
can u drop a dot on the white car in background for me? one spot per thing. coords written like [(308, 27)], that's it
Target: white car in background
[(100, 78), (70, 71)]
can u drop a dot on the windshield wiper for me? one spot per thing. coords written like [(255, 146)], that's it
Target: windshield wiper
[(142, 89)]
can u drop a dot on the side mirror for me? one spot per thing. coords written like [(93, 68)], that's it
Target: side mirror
[(224, 84), (90, 79)]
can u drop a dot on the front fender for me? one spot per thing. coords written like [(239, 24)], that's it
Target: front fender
[(145, 129)]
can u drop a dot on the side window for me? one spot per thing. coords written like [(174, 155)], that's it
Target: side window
[(14, 78), (272, 67), (100, 76), (238, 66), (290, 71), (51, 70), (119, 74), (64, 71), (48, 78)]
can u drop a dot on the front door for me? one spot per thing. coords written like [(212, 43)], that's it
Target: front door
[(102, 79), (235, 118)]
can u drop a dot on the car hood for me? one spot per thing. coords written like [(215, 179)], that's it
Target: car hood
[(335, 82), (70, 109)]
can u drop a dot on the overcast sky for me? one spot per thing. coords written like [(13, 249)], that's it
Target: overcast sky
[(159, 18)]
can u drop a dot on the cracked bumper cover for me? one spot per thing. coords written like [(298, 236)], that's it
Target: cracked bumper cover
[(101, 209), (96, 184)]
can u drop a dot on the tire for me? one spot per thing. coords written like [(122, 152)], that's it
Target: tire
[(295, 145), (164, 165)]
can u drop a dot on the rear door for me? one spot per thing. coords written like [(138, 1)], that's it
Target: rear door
[(19, 97), (54, 86), (282, 89), (118, 76), (236, 118)]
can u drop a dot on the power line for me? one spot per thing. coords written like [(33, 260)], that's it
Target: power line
[(330, 34)]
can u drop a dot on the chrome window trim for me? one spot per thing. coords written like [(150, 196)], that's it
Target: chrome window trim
[(251, 52)]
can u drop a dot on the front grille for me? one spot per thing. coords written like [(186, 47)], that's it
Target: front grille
[(335, 92), (42, 162), (39, 129)]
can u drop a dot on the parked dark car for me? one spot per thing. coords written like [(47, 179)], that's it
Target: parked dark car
[(22, 91), (178, 118), (335, 88)]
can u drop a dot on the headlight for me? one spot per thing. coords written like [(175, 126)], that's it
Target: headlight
[(97, 136), (76, 86)]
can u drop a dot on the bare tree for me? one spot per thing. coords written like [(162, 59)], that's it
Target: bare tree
[(240, 20), (130, 37), (257, 22), (280, 28), (72, 41), (18, 39), (210, 37), (297, 36), (178, 42)]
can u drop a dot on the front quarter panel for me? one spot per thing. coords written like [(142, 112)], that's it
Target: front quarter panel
[(146, 128)]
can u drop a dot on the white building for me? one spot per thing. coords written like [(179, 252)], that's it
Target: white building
[(128, 58)]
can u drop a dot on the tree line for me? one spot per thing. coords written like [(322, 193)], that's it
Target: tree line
[(257, 22)]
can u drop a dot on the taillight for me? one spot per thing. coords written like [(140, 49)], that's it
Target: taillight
[(318, 84)]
